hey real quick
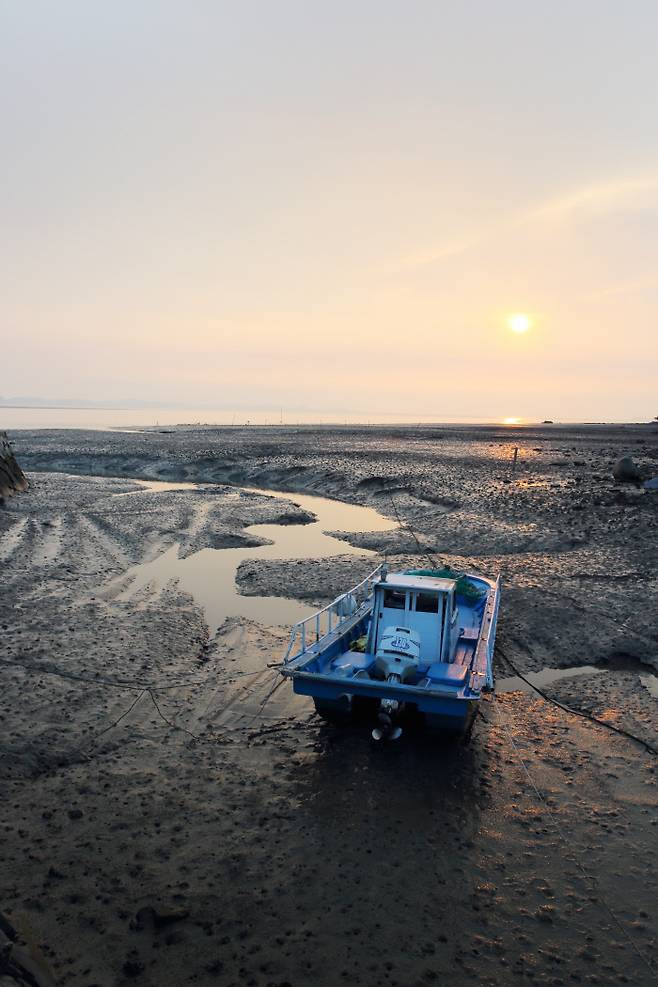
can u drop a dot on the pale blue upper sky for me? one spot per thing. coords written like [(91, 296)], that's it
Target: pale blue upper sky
[(331, 205)]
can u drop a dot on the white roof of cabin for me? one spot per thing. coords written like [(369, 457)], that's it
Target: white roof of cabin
[(400, 580)]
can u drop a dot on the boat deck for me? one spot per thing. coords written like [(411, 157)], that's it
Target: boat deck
[(357, 664)]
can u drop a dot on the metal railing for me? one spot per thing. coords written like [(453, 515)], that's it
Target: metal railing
[(310, 631), (483, 659)]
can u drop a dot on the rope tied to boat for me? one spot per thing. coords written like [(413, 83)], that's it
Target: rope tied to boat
[(407, 527), (571, 709)]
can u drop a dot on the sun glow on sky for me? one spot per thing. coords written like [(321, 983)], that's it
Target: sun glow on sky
[(511, 421), (264, 254), (519, 322)]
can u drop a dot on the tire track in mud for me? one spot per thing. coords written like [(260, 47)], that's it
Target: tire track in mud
[(195, 523), (36, 543), (12, 538), (52, 535), (39, 546), (108, 545)]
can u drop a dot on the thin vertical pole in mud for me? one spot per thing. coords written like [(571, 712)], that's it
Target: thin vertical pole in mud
[(516, 454)]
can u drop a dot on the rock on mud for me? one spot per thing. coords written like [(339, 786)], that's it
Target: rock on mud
[(625, 471)]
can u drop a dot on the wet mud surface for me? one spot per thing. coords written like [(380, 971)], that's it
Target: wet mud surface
[(168, 818)]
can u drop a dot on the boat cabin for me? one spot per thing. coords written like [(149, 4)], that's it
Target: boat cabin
[(425, 604)]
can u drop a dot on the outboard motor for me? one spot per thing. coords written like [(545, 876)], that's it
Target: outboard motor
[(397, 660)]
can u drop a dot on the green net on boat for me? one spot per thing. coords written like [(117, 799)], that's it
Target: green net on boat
[(463, 584)]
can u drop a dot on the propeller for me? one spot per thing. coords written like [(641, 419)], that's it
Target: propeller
[(386, 730), (378, 734)]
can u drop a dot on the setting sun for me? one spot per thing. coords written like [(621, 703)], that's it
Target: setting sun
[(519, 322), (511, 421)]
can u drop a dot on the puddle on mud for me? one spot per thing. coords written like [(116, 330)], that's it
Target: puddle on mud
[(547, 675), (209, 575), (648, 677)]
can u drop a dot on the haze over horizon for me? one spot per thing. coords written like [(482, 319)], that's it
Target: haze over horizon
[(335, 207), (34, 412)]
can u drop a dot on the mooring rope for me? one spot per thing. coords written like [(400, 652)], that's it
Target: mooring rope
[(407, 527), (571, 709)]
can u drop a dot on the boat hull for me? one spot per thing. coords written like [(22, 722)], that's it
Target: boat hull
[(340, 668), (441, 713)]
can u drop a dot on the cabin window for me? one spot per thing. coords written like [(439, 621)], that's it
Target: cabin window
[(394, 599), (427, 603)]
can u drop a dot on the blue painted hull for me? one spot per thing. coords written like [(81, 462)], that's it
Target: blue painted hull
[(343, 680), (445, 713)]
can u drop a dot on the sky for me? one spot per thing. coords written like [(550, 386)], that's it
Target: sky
[(332, 207)]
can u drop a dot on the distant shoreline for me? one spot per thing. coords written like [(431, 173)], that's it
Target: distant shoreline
[(163, 428), (159, 417)]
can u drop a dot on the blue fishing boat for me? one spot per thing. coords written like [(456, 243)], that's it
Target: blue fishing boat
[(417, 643)]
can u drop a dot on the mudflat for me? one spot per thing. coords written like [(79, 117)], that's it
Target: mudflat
[(169, 817)]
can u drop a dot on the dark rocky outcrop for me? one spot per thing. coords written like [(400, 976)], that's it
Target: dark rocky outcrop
[(12, 478)]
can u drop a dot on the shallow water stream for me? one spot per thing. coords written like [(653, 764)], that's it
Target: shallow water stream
[(209, 575)]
